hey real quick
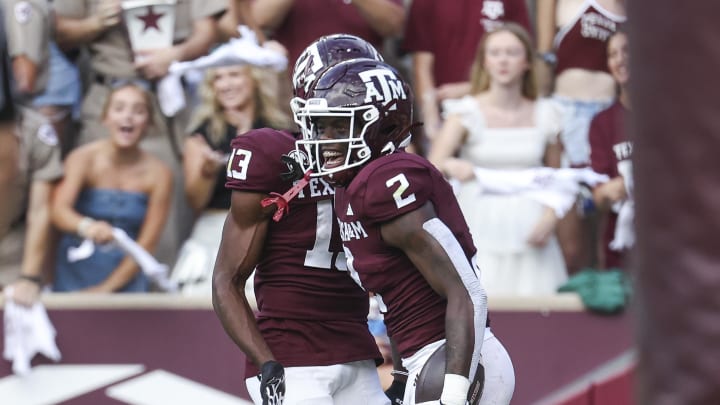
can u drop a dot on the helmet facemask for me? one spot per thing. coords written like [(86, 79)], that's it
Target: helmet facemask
[(333, 137)]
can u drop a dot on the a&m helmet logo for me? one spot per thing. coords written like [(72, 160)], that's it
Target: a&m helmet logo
[(306, 68), (382, 85)]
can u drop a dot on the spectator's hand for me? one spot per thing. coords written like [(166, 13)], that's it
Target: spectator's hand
[(611, 192), (272, 383), (107, 14), (459, 169), (210, 160), (99, 232), (544, 228), (396, 392), (25, 292), (213, 161), (154, 63)]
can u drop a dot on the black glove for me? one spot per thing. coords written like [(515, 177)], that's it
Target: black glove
[(396, 392), (272, 383)]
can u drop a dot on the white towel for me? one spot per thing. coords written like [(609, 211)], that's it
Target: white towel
[(28, 332), (154, 270), (624, 237), (243, 50), (81, 252), (555, 188)]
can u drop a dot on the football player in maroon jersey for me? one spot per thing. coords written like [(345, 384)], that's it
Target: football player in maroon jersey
[(403, 233), (310, 342)]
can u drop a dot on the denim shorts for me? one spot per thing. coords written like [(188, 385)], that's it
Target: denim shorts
[(63, 86), (577, 115)]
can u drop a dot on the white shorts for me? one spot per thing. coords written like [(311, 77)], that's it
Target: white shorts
[(355, 383), (499, 372)]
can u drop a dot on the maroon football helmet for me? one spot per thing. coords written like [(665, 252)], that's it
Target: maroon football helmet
[(370, 100), (327, 51)]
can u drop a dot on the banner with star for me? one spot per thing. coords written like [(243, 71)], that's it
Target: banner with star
[(150, 23)]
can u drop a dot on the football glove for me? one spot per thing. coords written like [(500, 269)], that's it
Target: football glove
[(272, 383)]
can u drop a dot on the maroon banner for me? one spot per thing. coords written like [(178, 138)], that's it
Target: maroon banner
[(165, 350)]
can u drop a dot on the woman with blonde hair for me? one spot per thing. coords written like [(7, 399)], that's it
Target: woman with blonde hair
[(111, 183), (502, 125), (234, 99)]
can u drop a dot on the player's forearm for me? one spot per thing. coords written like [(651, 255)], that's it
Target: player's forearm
[(384, 16), (236, 316), (460, 334)]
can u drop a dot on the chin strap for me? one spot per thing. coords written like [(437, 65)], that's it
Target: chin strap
[(390, 146), (282, 201)]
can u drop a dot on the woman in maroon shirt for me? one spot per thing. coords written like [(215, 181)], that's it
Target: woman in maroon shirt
[(610, 149)]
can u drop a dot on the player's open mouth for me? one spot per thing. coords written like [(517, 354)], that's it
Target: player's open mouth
[(126, 129), (332, 158)]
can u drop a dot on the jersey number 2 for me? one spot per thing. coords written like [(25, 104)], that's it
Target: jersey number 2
[(400, 201)]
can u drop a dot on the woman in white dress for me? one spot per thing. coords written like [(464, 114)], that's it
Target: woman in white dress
[(502, 125)]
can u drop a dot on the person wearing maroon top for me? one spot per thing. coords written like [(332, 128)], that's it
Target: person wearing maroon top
[(297, 23), (404, 235), (572, 37), (610, 148), (443, 38)]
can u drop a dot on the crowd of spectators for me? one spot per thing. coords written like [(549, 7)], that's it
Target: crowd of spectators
[(524, 97)]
